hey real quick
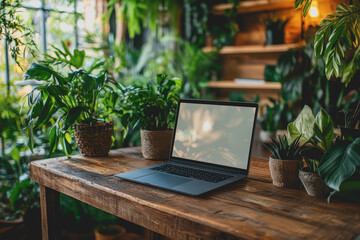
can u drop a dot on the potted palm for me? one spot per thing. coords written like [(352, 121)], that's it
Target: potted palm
[(152, 108), (284, 161), (78, 99)]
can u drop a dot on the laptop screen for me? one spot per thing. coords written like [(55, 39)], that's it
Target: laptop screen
[(216, 134)]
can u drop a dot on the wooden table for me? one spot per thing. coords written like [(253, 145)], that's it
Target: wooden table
[(250, 209)]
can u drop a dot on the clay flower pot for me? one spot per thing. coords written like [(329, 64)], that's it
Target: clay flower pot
[(155, 145), (95, 140), (284, 173), (313, 184), (111, 232)]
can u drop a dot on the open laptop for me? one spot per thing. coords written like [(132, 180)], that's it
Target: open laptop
[(211, 147)]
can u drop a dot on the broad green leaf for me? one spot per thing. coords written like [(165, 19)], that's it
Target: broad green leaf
[(15, 193), (15, 154), (307, 7), (72, 116), (78, 59), (339, 163), (324, 129), (303, 125), (31, 135), (47, 112), (53, 139), (38, 72)]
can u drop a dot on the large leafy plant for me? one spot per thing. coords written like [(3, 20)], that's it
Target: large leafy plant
[(338, 40), (317, 131), (72, 97), (151, 107)]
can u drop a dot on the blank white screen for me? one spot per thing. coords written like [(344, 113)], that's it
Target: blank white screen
[(216, 134)]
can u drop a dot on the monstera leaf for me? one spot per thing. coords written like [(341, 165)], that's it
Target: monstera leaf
[(340, 163), (302, 126)]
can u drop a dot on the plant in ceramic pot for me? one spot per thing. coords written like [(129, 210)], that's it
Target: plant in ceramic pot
[(275, 29), (152, 108), (284, 161), (318, 134), (79, 99)]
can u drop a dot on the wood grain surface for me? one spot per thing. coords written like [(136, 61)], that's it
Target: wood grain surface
[(250, 209)]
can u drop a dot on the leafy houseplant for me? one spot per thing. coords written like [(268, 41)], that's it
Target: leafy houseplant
[(318, 132), (152, 108), (269, 121), (78, 99), (284, 161)]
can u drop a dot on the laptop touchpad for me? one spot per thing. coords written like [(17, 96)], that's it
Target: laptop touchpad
[(163, 180)]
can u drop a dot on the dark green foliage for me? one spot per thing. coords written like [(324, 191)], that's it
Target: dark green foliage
[(283, 149), (151, 107), (14, 31), (78, 97), (338, 40)]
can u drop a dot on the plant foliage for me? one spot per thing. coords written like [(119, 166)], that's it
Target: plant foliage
[(14, 32), (152, 107), (75, 97), (338, 40), (283, 149)]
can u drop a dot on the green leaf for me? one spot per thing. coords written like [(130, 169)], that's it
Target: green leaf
[(15, 154), (72, 116), (38, 72), (66, 145), (78, 59), (47, 112), (324, 129), (307, 7), (339, 163), (31, 135), (303, 125), (15, 193), (53, 139)]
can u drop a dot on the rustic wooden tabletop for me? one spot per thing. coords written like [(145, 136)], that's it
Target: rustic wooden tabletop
[(250, 209)]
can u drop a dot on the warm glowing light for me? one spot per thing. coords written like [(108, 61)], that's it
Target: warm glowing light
[(207, 126), (314, 12)]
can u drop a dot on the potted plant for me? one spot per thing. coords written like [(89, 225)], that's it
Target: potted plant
[(109, 232), (284, 161), (338, 44), (318, 133), (269, 121), (275, 29), (152, 108), (80, 100)]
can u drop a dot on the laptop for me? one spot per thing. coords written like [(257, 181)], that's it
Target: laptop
[(211, 148)]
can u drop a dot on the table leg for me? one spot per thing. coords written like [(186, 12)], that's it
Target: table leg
[(50, 213)]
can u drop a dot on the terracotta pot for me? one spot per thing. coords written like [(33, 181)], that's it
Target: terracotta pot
[(111, 232), (81, 236), (94, 141), (313, 184), (155, 145), (265, 136), (284, 173)]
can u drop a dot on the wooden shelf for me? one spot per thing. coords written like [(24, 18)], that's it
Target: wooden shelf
[(254, 6), (257, 48), (267, 86)]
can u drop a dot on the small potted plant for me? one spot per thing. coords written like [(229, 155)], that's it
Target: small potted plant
[(284, 161), (269, 121), (318, 134), (79, 100), (152, 108), (275, 29)]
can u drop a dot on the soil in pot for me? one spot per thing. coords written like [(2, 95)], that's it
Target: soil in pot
[(95, 140), (313, 184), (110, 232), (284, 173), (155, 145)]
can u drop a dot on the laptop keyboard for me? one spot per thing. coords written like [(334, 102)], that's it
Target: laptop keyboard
[(192, 173)]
